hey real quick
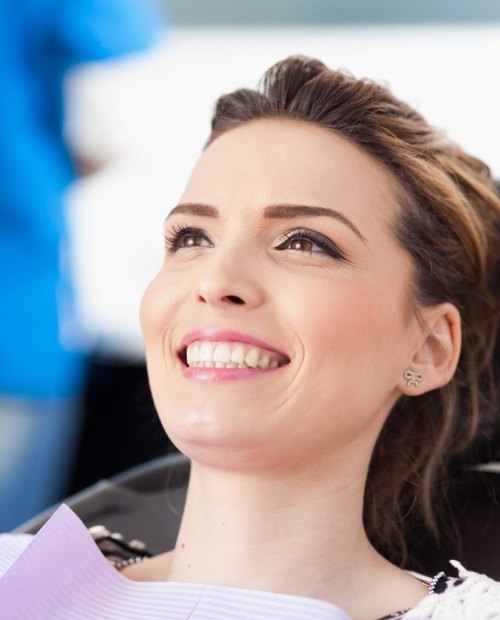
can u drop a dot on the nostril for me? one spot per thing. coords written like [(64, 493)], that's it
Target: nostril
[(234, 299)]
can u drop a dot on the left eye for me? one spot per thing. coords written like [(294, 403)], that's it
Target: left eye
[(182, 237), (190, 240), (311, 242)]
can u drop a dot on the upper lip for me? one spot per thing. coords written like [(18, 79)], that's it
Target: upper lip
[(226, 335)]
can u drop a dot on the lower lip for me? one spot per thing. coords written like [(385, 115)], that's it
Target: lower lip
[(225, 374)]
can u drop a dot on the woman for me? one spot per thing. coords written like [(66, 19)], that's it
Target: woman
[(316, 342)]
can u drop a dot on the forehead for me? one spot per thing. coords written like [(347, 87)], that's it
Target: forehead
[(285, 161)]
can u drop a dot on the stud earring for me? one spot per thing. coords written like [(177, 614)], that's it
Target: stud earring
[(412, 377)]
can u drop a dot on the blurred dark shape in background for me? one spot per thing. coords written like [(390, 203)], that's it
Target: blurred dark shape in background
[(121, 428)]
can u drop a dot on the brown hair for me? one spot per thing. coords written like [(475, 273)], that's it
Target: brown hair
[(449, 223)]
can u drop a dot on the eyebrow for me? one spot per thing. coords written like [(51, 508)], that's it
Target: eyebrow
[(291, 211), (284, 211), (194, 208)]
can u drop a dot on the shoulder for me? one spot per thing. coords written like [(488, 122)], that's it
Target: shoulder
[(471, 596), (11, 547)]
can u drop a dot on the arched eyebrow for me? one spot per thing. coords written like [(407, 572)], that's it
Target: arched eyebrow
[(284, 211), (194, 208), (291, 211)]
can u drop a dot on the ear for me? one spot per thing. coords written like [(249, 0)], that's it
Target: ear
[(436, 355)]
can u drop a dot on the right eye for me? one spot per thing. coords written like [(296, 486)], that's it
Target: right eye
[(186, 237)]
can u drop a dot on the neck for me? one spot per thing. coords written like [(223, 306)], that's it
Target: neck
[(302, 536)]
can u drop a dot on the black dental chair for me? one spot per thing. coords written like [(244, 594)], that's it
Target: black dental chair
[(144, 503)]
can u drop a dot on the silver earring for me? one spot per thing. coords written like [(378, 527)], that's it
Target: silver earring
[(412, 377)]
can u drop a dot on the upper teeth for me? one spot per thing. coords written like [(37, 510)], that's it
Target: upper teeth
[(229, 355)]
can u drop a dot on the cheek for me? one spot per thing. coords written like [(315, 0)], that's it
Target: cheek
[(148, 311), (352, 348), (353, 332), (158, 314), (158, 308)]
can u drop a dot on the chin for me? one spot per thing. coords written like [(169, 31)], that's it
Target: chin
[(215, 439)]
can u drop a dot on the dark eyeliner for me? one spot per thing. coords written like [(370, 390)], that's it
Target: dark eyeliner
[(178, 231), (327, 245)]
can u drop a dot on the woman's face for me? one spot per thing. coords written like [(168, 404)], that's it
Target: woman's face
[(278, 328)]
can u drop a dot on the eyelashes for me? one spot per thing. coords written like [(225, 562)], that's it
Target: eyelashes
[(303, 241), (182, 236)]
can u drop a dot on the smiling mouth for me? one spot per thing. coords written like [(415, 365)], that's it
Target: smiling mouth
[(222, 354)]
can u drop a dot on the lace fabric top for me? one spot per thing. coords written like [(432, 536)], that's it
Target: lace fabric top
[(61, 574)]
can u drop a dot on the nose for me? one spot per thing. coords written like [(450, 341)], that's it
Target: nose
[(228, 280)]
